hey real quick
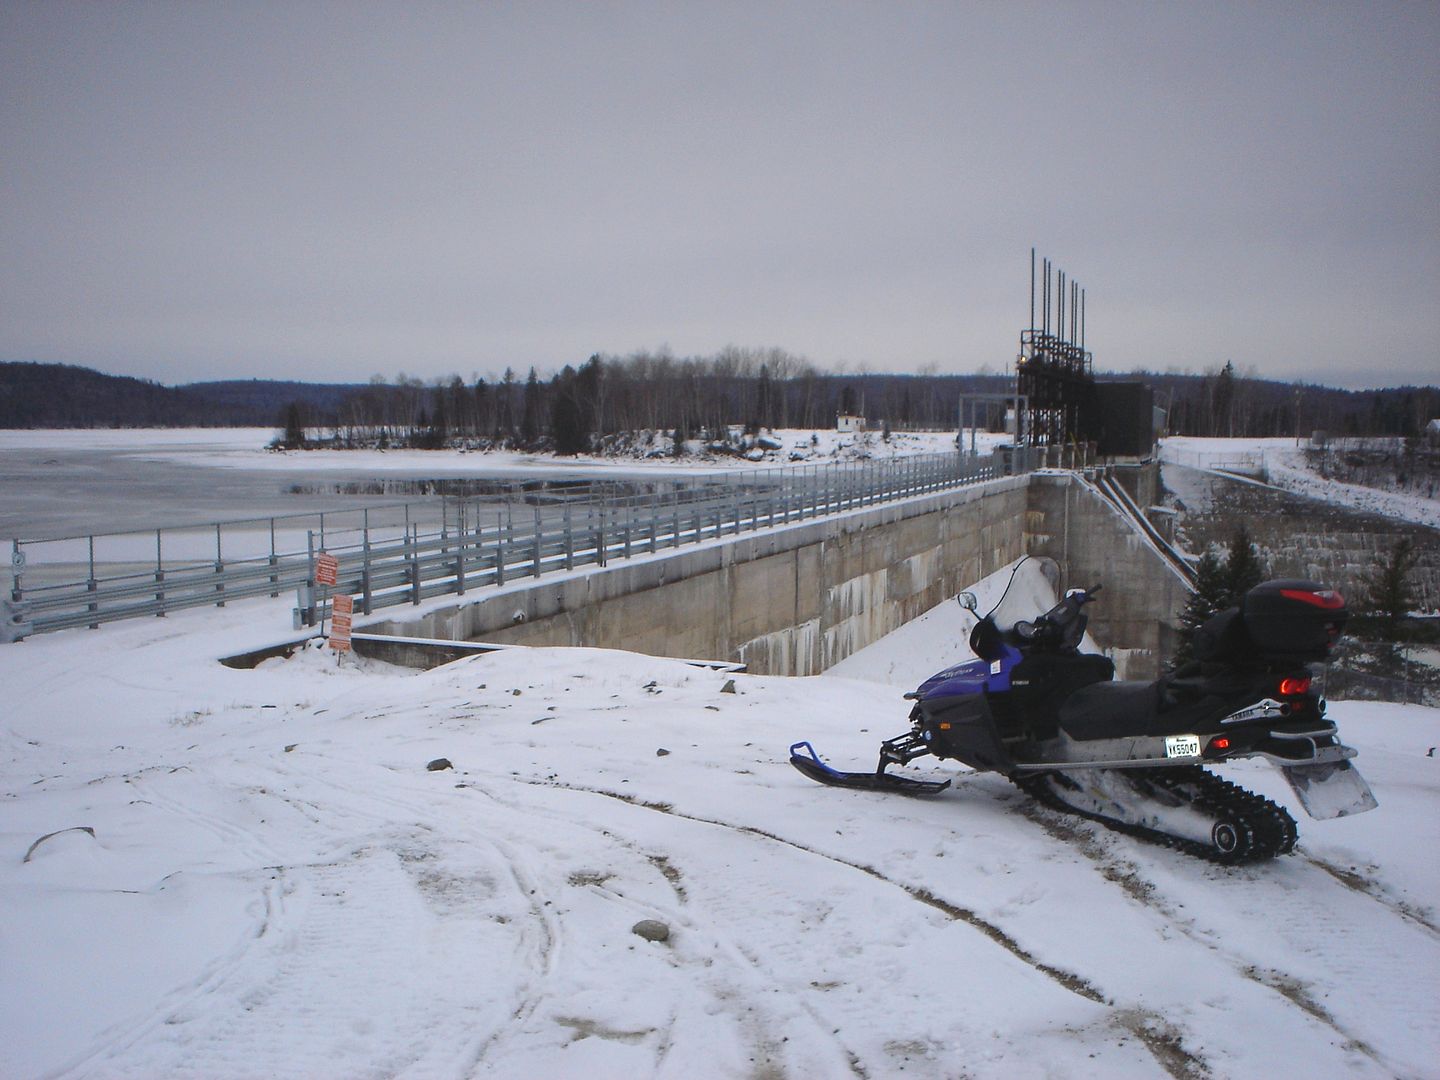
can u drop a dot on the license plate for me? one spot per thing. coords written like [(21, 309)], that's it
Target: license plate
[(1182, 745)]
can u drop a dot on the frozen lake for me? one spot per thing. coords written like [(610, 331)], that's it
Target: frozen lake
[(72, 483)]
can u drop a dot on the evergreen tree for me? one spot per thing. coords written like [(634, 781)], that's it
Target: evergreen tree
[(530, 412), (293, 422), (1243, 567), (1211, 596), (1386, 591), (569, 419), (1222, 419), (590, 396)]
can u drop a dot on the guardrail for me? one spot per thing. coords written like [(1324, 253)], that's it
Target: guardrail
[(410, 552)]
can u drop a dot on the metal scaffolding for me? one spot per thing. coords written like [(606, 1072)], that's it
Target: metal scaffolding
[(1053, 369)]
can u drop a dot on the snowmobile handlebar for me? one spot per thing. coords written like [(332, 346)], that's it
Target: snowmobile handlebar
[(1062, 626)]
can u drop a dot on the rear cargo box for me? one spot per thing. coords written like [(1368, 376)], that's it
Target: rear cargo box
[(1294, 619)]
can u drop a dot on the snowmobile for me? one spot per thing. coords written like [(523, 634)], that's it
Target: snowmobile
[(1133, 755)]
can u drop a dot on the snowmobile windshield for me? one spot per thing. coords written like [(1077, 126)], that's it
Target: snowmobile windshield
[(1020, 603)]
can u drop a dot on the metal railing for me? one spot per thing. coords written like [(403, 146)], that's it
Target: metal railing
[(410, 552)]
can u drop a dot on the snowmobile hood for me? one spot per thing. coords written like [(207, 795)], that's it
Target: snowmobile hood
[(972, 676)]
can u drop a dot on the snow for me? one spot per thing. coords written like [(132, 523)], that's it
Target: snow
[(277, 885), (1284, 465), (273, 883)]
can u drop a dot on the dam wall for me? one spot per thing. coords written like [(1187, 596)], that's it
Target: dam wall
[(797, 599), (787, 601)]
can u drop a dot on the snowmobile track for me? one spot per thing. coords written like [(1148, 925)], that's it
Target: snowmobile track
[(1260, 828)]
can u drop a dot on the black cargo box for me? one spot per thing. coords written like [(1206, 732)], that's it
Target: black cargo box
[(1294, 618)]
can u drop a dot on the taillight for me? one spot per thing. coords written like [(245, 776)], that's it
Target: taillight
[(1220, 743), (1328, 599), (1294, 686)]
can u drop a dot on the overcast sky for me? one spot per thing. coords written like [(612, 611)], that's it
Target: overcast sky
[(196, 191)]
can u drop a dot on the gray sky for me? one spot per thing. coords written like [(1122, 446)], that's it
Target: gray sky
[(232, 190)]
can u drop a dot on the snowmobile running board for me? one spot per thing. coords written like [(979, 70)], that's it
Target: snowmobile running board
[(1126, 763), (809, 764)]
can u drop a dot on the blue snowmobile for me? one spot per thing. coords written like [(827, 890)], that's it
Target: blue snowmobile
[(1133, 755)]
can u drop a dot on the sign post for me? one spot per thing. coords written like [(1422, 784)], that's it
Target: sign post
[(327, 573)]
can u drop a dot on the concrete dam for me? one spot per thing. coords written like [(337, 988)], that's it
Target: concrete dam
[(796, 599)]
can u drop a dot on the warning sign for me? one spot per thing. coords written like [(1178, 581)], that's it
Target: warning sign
[(341, 609), (327, 568)]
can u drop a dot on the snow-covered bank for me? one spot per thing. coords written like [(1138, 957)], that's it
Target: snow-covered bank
[(277, 885), (1285, 466)]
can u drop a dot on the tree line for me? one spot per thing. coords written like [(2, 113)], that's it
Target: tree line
[(607, 396)]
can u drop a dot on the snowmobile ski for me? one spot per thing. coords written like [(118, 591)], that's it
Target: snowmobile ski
[(804, 758)]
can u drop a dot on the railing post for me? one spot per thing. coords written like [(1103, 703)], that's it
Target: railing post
[(274, 560), (159, 579), (499, 551), (460, 536), (219, 569), (90, 582), (570, 540), (365, 599), (17, 564), (412, 543), (535, 542), (307, 613)]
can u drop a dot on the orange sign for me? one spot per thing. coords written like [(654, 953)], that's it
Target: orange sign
[(327, 568), (342, 608)]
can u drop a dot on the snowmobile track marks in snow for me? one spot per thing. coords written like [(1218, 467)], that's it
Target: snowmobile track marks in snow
[(1126, 875), (1161, 1039), (1071, 982), (1294, 990), (1164, 1043), (1357, 882)]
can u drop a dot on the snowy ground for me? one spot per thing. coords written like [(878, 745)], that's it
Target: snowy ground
[(1283, 465), (277, 886)]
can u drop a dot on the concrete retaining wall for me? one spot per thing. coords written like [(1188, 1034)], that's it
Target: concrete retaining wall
[(791, 601), (1136, 615), (796, 600)]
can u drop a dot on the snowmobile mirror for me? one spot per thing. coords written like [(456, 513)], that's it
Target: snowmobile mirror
[(968, 600)]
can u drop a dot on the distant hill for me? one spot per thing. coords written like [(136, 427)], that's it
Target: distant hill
[(259, 402), (62, 396), (34, 395)]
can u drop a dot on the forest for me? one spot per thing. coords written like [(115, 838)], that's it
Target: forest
[(607, 398)]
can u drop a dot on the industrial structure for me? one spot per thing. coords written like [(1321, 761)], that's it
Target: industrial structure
[(1064, 404)]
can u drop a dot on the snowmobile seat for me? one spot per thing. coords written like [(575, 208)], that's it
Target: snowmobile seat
[(1111, 710), (1041, 681)]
